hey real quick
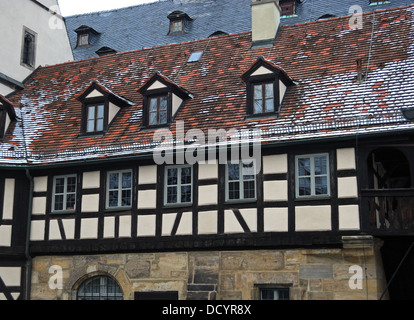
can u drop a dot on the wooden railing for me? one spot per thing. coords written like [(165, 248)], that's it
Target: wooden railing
[(390, 211)]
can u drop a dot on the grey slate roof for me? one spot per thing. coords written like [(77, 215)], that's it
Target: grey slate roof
[(147, 25)]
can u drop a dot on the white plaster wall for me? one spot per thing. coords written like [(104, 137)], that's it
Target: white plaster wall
[(147, 175), (207, 222), (349, 217), (5, 236), (40, 184), (275, 164), (91, 180), (52, 43), (345, 159), (313, 218), (90, 203), (275, 219), (8, 204), (208, 171), (146, 225)]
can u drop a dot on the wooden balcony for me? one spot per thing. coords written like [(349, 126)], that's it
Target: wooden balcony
[(388, 211)]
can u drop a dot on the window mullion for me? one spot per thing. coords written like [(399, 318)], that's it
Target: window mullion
[(312, 172), (65, 192), (241, 180), (179, 185)]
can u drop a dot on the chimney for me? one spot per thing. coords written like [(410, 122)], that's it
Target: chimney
[(265, 21)]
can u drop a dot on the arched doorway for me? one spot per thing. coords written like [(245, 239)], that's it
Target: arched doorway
[(99, 288)]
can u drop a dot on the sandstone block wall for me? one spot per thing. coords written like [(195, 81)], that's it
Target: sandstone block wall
[(310, 274)]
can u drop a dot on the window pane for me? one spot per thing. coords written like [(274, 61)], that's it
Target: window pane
[(153, 104), (126, 180), (70, 201), (320, 165), (186, 194), (258, 92), (172, 195), (113, 181), (304, 186), (172, 177), (321, 185), (153, 118), (91, 112), (270, 105), (126, 198), (163, 116), (234, 190), (91, 126), (99, 125), (249, 190), (113, 199), (163, 103), (100, 111), (233, 172), (186, 176), (274, 294), (269, 90), (59, 202), (258, 106), (248, 171), (71, 184), (60, 185), (304, 167)]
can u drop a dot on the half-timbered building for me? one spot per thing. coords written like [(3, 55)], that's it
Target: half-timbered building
[(123, 176)]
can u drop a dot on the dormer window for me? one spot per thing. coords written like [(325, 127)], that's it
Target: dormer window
[(287, 8), (264, 97), (85, 34), (178, 22), (266, 85), (96, 117), (100, 107), (158, 110), (162, 100), (7, 115)]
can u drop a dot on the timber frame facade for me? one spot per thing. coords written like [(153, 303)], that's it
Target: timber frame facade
[(333, 191)]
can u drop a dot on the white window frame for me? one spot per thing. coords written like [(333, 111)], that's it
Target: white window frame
[(65, 193), (120, 189), (312, 175), (241, 183), (178, 185)]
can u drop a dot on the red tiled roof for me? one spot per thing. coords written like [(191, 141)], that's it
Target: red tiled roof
[(326, 100)]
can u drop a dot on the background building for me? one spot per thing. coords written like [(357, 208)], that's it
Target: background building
[(34, 34)]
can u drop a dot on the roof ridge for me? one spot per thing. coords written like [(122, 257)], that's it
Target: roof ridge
[(350, 15), (116, 9)]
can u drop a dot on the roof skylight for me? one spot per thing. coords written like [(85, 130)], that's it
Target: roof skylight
[(195, 56)]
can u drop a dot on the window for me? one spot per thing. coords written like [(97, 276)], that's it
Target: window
[(119, 189), (64, 194), (158, 110), (178, 20), (178, 184), (274, 294), (83, 39), (263, 98), (240, 181), (177, 26), (312, 175), (287, 8), (100, 288), (28, 48), (95, 118)]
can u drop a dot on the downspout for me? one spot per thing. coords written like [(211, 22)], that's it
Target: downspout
[(27, 250)]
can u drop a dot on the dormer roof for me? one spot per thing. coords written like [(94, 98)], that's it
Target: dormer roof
[(8, 106), (105, 92)]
